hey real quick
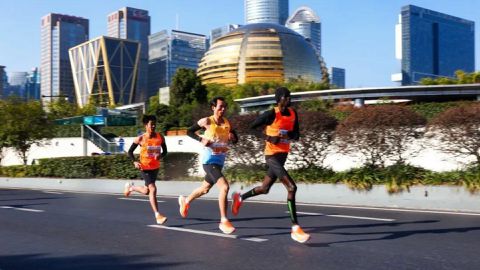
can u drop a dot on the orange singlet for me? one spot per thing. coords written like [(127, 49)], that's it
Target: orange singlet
[(150, 151), (280, 127)]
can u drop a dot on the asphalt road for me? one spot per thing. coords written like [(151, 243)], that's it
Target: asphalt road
[(65, 230)]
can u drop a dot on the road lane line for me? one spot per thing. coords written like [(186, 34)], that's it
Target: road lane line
[(52, 192), (139, 200), (344, 216), (22, 209), (252, 239)]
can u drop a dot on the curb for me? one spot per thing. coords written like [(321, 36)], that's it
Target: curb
[(438, 198)]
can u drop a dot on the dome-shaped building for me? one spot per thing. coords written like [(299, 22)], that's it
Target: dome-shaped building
[(260, 52)]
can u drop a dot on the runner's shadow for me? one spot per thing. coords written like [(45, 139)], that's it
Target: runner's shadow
[(90, 262), (370, 225), (33, 199), (388, 235)]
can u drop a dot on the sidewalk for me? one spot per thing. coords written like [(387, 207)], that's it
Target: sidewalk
[(440, 198)]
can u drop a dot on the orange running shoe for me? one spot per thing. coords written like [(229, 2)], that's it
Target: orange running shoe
[(236, 203), (160, 218), (126, 190), (226, 227), (299, 235), (183, 206)]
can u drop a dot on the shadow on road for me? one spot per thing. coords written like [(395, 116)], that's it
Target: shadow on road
[(83, 262)]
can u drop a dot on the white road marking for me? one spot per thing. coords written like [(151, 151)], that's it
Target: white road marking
[(22, 209), (232, 236), (52, 192), (344, 216), (134, 199)]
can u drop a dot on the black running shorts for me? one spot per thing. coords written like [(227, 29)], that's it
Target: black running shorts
[(275, 165), (213, 172), (149, 176)]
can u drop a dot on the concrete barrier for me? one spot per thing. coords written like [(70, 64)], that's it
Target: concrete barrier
[(443, 198)]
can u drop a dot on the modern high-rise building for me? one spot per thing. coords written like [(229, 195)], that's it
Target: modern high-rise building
[(104, 71), (134, 24), (167, 53), (305, 22), (337, 77), (17, 81), (58, 34), (222, 31), (431, 44), (2, 76), (266, 11), (32, 86)]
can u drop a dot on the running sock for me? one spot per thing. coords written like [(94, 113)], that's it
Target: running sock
[(223, 219), (248, 194), (293, 211)]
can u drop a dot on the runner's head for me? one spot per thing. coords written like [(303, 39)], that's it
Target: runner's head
[(150, 122), (282, 97), (218, 106)]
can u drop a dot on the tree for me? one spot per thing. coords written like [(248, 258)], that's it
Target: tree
[(248, 150), (61, 108), (316, 133), (379, 133), (24, 124), (187, 88), (458, 130)]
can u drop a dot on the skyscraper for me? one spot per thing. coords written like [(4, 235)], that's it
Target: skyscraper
[(305, 22), (32, 86), (104, 71), (266, 11), (337, 77), (133, 24), (169, 52), (2, 75), (432, 44), (58, 34)]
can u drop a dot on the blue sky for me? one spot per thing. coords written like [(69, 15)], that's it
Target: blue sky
[(358, 35)]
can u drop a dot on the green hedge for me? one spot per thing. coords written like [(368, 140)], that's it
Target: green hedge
[(396, 178), (174, 166)]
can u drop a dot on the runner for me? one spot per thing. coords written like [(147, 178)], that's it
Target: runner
[(153, 148), (218, 133), (281, 126)]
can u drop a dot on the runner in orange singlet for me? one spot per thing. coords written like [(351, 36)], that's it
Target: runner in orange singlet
[(281, 126), (153, 147)]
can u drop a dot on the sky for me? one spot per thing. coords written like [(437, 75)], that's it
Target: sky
[(357, 35)]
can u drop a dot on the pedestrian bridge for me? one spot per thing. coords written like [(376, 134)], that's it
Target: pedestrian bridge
[(360, 95)]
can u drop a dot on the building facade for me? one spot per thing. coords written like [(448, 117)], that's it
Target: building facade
[(305, 22), (133, 24), (260, 52), (32, 86), (266, 11), (222, 31), (105, 70), (168, 52), (2, 76), (337, 77), (58, 34), (431, 44)]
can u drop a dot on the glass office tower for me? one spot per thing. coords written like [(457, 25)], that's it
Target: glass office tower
[(2, 76), (170, 52), (337, 77), (134, 24), (58, 34), (104, 70), (433, 44), (266, 11), (305, 22)]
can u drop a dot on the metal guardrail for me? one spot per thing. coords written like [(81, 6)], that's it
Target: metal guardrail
[(100, 141)]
